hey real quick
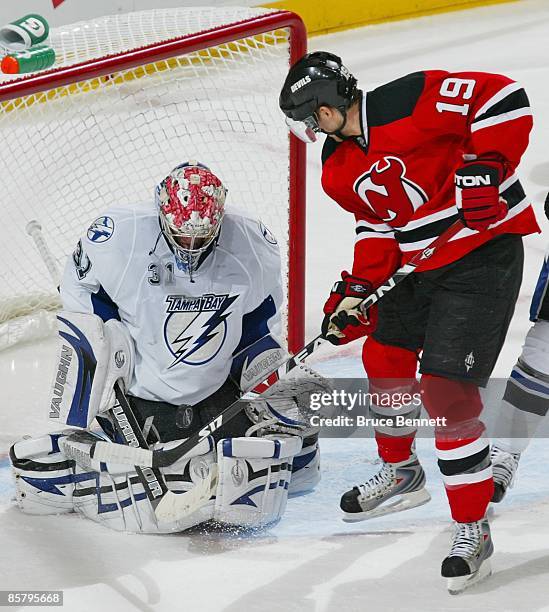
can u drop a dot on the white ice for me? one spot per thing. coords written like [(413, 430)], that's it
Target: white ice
[(312, 560)]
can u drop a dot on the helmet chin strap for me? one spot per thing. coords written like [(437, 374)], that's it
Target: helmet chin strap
[(341, 127)]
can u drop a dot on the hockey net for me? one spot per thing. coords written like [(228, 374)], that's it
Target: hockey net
[(130, 97)]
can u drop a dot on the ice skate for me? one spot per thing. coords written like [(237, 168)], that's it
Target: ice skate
[(504, 466), (468, 562), (396, 487)]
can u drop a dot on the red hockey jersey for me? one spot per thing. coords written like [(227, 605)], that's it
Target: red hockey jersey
[(398, 177)]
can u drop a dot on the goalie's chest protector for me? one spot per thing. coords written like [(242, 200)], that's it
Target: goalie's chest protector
[(185, 331)]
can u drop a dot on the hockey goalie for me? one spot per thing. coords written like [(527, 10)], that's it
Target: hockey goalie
[(171, 310)]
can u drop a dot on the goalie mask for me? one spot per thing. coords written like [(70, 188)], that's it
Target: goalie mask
[(191, 205)]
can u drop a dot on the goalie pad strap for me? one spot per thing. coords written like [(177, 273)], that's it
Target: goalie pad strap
[(280, 448)]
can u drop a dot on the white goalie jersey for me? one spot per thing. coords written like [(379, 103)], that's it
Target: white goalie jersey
[(185, 331)]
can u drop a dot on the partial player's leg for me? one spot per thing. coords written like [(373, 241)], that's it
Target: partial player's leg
[(526, 399), (464, 461), (525, 404), (473, 302), (400, 483), (504, 466)]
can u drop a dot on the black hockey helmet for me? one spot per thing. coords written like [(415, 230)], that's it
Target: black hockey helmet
[(317, 79)]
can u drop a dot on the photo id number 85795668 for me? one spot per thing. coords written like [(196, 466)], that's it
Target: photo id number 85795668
[(31, 598)]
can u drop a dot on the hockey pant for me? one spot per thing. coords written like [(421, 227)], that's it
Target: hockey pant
[(526, 399), (461, 446)]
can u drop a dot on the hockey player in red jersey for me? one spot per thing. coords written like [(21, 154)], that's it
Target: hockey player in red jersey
[(408, 160)]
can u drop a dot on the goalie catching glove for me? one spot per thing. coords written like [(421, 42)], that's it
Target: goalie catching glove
[(344, 321), (285, 407), (281, 405)]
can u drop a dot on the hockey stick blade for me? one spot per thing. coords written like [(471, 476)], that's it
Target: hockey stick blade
[(163, 458), (124, 455), (175, 506)]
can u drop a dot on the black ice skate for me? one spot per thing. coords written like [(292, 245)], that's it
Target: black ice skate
[(504, 466), (396, 487), (468, 561)]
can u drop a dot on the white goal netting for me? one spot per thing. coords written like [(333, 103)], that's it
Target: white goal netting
[(70, 151)]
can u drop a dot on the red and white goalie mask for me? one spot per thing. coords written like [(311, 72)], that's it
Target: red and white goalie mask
[(191, 203)]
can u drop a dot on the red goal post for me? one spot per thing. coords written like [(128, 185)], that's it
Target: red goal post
[(130, 97)]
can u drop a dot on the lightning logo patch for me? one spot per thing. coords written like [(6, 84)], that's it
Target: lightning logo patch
[(196, 328)]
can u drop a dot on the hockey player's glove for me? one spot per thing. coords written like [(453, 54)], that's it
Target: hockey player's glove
[(344, 321), (477, 193)]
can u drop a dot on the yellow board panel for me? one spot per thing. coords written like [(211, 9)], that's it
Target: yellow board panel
[(322, 16)]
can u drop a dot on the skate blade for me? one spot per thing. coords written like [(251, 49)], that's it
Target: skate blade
[(459, 584), (406, 501)]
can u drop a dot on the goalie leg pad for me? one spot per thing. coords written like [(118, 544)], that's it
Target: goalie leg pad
[(44, 478), (47, 481), (118, 500), (91, 356), (254, 477)]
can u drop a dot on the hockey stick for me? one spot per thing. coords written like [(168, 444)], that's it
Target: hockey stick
[(152, 479), (167, 505), (105, 451), (34, 230)]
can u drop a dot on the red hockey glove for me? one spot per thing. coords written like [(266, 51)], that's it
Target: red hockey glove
[(477, 194), (344, 321)]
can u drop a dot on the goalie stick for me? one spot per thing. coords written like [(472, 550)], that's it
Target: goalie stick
[(117, 453), (174, 505)]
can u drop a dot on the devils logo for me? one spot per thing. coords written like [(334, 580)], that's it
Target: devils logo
[(386, 190), (196, 328)]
